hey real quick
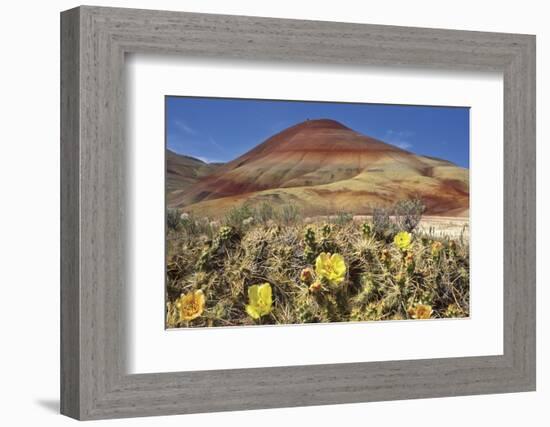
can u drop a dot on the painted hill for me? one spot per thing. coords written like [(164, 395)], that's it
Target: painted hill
[(323, 166)]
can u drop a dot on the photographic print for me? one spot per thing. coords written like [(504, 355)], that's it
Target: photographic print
[(292, 212)]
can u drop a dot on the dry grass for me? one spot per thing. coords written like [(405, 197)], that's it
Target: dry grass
[(382, 282)]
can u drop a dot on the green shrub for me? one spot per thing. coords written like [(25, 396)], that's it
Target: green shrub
[(173, 220), (342, 218), (408, 214), (382, 225), (265, 212), (289, 214), (236, 216)]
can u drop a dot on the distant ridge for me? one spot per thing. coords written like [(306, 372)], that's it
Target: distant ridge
[(185, 156), (183, 171)]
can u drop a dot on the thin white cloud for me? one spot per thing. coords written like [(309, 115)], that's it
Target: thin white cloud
[(184, 127), (215, 144), (400, 138), (403, 145)]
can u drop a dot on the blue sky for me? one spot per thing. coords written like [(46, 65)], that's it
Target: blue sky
[(219, 130)]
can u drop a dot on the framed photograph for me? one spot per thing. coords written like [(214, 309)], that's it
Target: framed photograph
[(318, 222), (262, 213)]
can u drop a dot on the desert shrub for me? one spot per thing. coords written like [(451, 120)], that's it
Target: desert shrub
[(189, 224), (237, 214), (288, 214), (265, 212), (248, 222), (173, 222), (382, 225), (342, 218), (193, 226), (408, 214)]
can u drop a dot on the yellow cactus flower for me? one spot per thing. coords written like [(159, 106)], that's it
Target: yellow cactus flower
[(259, 300), (331, 268), (420, 311), (402, 240), (190, 305)]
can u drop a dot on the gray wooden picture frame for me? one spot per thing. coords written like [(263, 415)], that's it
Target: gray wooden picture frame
[(94, 382)]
